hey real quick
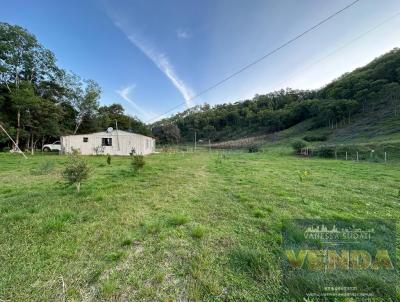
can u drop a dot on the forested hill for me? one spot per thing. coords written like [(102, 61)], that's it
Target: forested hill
[(372, 87)]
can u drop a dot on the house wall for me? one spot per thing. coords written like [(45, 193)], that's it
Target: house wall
[(122, 144)]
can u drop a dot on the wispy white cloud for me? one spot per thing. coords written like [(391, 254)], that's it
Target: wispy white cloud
[(164, 64), (161, 61), (183, 33), (125, 93)]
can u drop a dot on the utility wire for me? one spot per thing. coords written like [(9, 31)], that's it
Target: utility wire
[(259, 59), (337, 50)]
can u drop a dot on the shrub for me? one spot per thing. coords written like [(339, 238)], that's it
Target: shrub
[(126, 242), (197, 232), (297, 145), (315, 138), (177, 220), (326, 151), (109, 159), (137, 163), (253, 149), (76, 171), (259, 214)]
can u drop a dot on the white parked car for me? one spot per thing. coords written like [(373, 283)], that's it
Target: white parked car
[(56, 146)]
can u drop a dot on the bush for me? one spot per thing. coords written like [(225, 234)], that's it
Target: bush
[(76, 171), (326, 151), (197, 232), (109, 159), (177, 220), (253, 149), (137, 163), (6, 149), (297, 145), (259, 214), (315, 138)]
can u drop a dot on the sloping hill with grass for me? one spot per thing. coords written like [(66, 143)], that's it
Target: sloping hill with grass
[(377, 126), (377, 130), (359, 106)]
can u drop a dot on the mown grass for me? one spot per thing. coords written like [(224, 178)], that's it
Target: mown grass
[(190, 226)]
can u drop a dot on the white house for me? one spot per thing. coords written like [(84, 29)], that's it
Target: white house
[(113, 142)]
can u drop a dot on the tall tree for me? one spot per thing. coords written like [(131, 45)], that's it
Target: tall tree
[(391, 94), (85, 101), (23, 59)]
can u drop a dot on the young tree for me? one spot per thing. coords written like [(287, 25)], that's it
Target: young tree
[(137, 163), (76, 171)]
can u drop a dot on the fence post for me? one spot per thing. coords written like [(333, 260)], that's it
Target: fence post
[(385, 157), (357, 155), (335, 154), (346, 155)]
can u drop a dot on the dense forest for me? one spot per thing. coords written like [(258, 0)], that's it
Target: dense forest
[(363, 90), (39, 101)]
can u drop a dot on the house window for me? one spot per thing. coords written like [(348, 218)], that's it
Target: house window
[(106, 141), (85, 139)]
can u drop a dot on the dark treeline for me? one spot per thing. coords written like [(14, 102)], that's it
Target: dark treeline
[(40, 101), (363, 90)]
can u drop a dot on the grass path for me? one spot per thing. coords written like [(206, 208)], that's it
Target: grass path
[(198, 227)]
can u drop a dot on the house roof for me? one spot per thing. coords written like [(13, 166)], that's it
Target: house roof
[(112, 133)]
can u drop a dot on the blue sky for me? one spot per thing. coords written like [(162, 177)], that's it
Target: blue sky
[(151, 55)]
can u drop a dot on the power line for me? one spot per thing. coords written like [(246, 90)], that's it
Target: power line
[(259, 59), (337, 49)]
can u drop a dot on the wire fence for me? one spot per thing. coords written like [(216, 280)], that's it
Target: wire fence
[(388, 153)]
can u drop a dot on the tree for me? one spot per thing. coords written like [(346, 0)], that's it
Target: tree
[(137, 163), (43, 122), (109, 115), (76, 171), (391, 93), (85, 101), (167, 133), (23, 60), (299, 144)]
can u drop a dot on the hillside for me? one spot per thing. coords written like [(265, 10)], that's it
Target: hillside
[(377, 126), (359, 106)]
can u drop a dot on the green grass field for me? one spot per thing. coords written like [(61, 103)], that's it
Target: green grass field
[(190, 227)]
